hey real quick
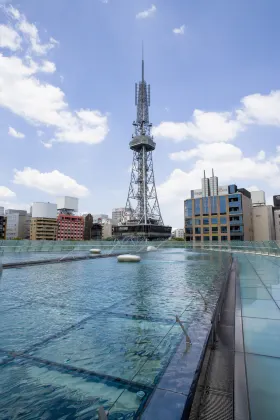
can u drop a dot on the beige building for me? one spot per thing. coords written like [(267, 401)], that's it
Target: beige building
[(43, 222), (277, 224), (43, 229), (263, 223)]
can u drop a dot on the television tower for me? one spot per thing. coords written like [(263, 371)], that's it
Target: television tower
[(142, 212)]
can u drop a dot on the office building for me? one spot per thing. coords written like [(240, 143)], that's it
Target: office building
[(213, 182), (277, 224), (179, 233), (88, 222), (205, 186), (2, 227), (225, 217), (263, 223), (118, 215), (43, 222), (69, 226), (16, 220), (27, 225), (1, 211)]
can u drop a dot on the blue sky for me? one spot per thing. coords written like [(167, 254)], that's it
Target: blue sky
[(67, 74)]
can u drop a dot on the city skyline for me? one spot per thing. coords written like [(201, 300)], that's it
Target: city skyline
[(67, 99)]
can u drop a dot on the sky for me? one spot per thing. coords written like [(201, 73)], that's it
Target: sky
[(67, 75)]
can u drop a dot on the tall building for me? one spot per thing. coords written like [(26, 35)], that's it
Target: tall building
[(213, 182), (263, 223), (219, 218), (16, 220), (69, 226), (43, 223), (1, 211), (27, 225), (276, 209), (142, 205), (88, 222), (100, 218), (205, 186), (118, 215), (3, 227)]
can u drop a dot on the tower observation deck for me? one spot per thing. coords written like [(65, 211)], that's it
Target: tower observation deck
[(142, 217)]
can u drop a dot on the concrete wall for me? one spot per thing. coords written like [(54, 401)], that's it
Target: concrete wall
[(263, 224), (277, 224), (247, 218)]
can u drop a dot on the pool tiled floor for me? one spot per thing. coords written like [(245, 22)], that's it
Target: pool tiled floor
[(260, 311)]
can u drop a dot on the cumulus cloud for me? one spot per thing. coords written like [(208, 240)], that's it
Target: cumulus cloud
[(14, 133), (224, 126), (54, 183), (205, 126), (9, 38), (6, 192), (147, 13), (180, 30), (39, 102)]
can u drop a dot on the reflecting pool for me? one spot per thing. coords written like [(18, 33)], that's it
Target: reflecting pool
[(84, 334)]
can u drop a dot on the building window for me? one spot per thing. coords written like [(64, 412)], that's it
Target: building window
[(206, 221), (189, 238), (197, 206), (215, 229), (223, 205), (224, 238), (206, 230), (223, 229), (197, 221), (223, 220), (205, 207), (214, 205), (197, 231), (206, 238), (189, 231), (214, 220), (198, 238), (214, 238), (188, 208)]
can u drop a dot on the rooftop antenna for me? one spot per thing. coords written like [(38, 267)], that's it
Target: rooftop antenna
[(142, 61)]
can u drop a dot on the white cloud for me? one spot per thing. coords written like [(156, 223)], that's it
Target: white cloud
[(206, 126), (9, 38), (15, 133), (46, 144), (224, 126), (42, 103), (261, 155), (40, 133), (230, 165), (147, 13), (48, 67), (6, 192), (180, 30), (53, 182)]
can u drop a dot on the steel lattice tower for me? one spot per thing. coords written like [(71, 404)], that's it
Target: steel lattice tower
[(142, 202)]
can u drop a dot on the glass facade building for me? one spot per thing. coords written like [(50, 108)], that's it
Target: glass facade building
[(218, 218)]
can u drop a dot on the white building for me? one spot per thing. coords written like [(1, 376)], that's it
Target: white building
[(67, 203), (258, 198), (277, 224), (44, 210), (117, 215), (100, 218), (179, 233), (263, 223), (15, 227)]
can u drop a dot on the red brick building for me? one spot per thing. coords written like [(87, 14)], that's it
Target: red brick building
[(70, 227)]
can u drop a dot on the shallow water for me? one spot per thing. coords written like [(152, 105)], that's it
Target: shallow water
[(95, 332)]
